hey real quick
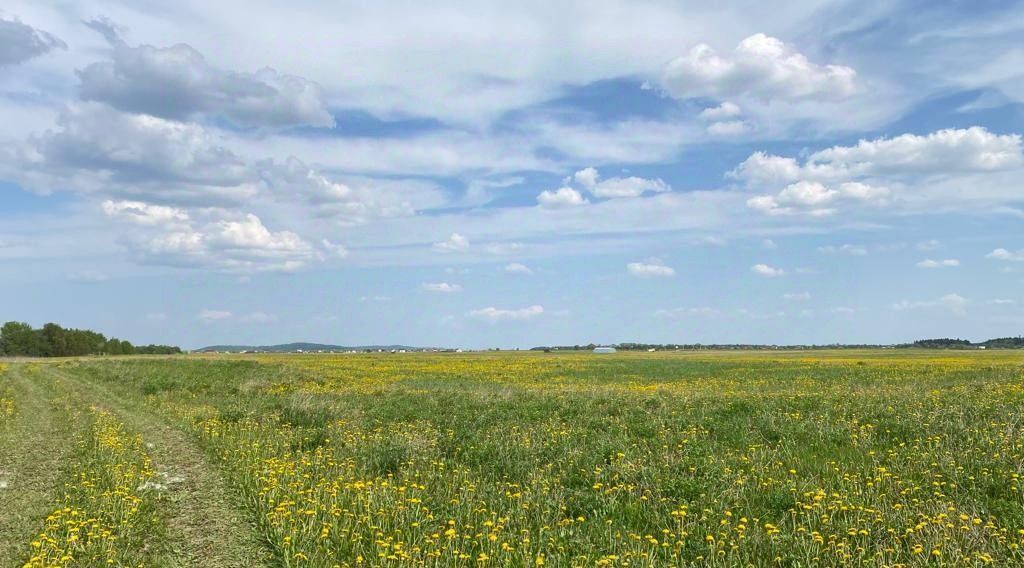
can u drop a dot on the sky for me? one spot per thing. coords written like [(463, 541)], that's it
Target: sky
[(513, 174)]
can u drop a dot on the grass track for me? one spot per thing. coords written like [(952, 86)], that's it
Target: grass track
[(204, 525), (33, 451)]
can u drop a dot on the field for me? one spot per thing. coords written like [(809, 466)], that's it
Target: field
[(854, 458)]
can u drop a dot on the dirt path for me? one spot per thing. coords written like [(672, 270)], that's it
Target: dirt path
[(33, 449), (205, 525)]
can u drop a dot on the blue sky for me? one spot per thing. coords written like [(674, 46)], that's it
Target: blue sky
[(513, 174)]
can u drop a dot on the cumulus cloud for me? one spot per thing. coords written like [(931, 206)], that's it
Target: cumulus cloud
[(517, 268), (178, 83), (98, 149), (950, 150), (493, 314), (881, 171), (1004, 254), (454, 243), (767, 271), (441, 287), (723, 120), (21, 42), (652, 267), (761, 168), (815, 199), (561, 197), (721, 112), (797, 296), (618, 187), (760, 67), (943, 263), (243, 244), (955, 303)]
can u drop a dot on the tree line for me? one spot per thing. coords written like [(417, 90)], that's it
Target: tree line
[(52, 340)]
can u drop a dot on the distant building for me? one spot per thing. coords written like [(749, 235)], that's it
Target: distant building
[(604, 350)]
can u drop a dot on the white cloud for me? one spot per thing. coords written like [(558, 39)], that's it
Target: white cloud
[(728, 128), (948, 151), (358, 202), (100, 150), (930, 244), (334, 249), (1002, 302), (951, 150), (652, 267), (797, 296), (1004, 254), (760, 67), (587, 177), (955, 303), (502, 249), (815, 199), (441, 287), (721, 112), (454, 243), (241, 244), (493, 314), (562, 197), (943, 263), (20, 42), (761, 169), (618, 187), (674, 313), (767, 271), (517, 268), (177, 83), (214, 315), (852, 250), (145, 214), (723, 120), (936, 168), (374, 299)]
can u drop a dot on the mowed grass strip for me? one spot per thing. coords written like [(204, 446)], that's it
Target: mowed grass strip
[(204, 524), (37, 436)]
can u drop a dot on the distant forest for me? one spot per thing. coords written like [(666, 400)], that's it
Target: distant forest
[(52, 340), (999, 343)]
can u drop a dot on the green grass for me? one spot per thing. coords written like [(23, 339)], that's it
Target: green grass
[(876, 458)]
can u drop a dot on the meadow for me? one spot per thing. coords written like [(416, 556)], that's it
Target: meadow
[(843, 458)]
